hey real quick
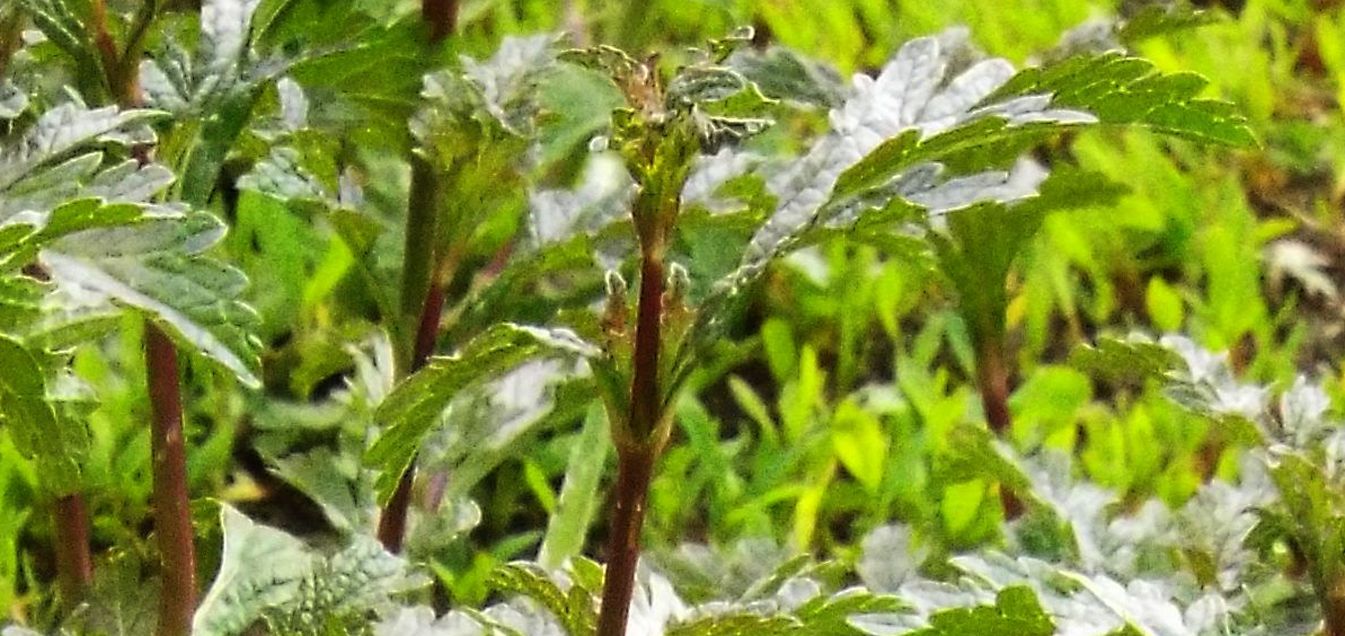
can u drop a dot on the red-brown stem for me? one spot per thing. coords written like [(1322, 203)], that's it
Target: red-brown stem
[(74, 562), (634, 470), (441, 16), (1333, 606), (172, 514), (636, 457), (993, 378), (644, 386), (392, 522)]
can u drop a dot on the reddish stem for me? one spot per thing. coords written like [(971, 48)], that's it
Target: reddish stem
[(392, 522), (441, 16), (635, 457), (634, 471), (172, 514), (74, 561), (644, 390), (993, 378)]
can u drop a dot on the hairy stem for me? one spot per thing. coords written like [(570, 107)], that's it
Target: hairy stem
[(74, 562), (634, 471), (172, 514)]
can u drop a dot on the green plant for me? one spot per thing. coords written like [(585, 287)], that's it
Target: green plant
[(825, 280)]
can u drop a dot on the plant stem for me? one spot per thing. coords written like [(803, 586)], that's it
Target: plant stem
[(993, 379), (74, 562), (11, 32), (392, 523), (634, 471), (1333, 606), (172, 516), (422, 303), (441, 16), (644, 390), (635, 458)]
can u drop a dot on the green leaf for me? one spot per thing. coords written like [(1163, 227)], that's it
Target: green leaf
[(415, 405), (1157, 19), (1122, 90), (13, 101), (49, 435), (261, 567), (1164, 305), (531, 581), (568, 526), (1016, 612), (65, 128), (154, 265), (1131, 359)]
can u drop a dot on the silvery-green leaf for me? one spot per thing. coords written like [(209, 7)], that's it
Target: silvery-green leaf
[(420, 621), (167, 81), (888, 558), (282, 176), (261, 567), (13, 101), (712, 171), (46, 189), (155, 266), (911, 95), (507, 78), (62, 129), (413, 408), (293, 104), (225, 30), (1147, 606), (1303, 411), (601, 197), (129, 182)]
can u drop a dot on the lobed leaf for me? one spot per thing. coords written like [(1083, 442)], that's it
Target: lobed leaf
[(65, 128)]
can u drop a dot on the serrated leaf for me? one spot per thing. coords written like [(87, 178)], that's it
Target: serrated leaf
[(261, 567), (266, 574), (65, 128), (40, 430), (281, 175), (155, 266), (415, 405), (1016, 612), (531, 582), (1124, 359), (1119, 89)]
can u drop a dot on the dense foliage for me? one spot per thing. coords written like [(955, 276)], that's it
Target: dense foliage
[(558, 317)]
